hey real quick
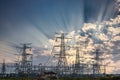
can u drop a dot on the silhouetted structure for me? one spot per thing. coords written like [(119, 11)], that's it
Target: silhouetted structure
[(25, 65)]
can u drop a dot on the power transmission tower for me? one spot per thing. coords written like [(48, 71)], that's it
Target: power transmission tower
[(25, 65), (96, 65), (3, 67), (62, 61), (79, 61)]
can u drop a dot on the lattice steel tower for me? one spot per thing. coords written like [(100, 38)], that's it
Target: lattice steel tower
[(62, 61), (97, 65), (79, 66), (3, 71), (25, 65)]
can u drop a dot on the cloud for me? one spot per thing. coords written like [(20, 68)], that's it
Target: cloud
[(95, 36), (100, 36), (104, 35)]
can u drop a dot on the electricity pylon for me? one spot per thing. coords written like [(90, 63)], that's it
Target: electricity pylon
[(25, 65), (62, 60), (3, 67), (79, 61), (97, 65)]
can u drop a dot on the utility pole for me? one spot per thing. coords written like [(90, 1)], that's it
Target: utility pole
[(26, 59)]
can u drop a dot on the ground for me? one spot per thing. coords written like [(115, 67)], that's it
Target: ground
[(68, 78)]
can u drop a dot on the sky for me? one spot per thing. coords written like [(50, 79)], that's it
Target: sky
[(36, 21)]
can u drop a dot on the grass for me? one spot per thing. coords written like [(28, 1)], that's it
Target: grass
[(16, 79), (69, 78)]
